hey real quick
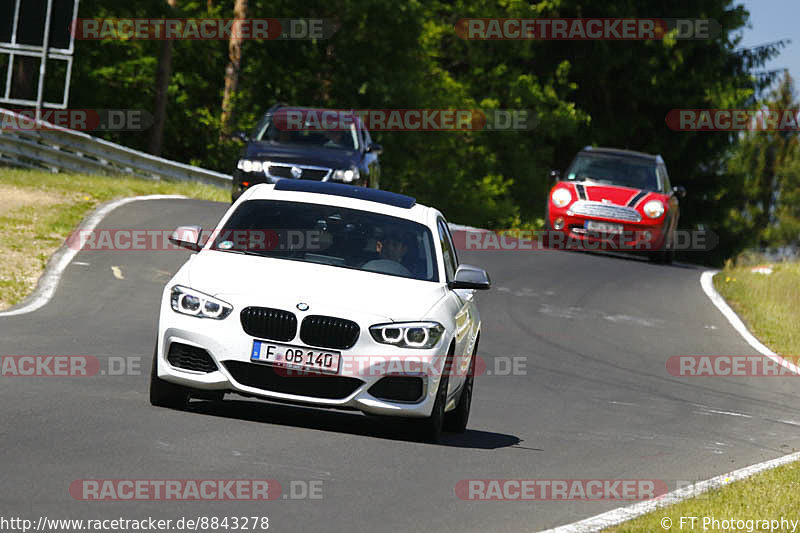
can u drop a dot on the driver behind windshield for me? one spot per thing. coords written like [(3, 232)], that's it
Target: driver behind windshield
[(392, 248)]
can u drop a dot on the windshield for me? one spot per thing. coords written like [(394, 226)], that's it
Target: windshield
[(345, 138), (615, 170), (330, 235)]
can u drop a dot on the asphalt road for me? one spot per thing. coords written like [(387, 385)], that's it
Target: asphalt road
[(594, 401)]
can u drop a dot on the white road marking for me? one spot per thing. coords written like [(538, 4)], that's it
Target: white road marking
[(117, 272), (80, 263), (48, 282), (623, 514)]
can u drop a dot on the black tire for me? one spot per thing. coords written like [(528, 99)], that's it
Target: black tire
[(164, 393), (663, 256), (430, 429), (457, 419)]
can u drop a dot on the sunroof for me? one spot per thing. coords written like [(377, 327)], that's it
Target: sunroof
[(350, 191)]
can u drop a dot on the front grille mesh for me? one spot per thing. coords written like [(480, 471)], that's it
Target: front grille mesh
[(190, 358), (597, 209), (268, 323), (285, 171), (329, 332), (270, 378)]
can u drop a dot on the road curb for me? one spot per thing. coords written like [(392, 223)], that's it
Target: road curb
[(58, 262)]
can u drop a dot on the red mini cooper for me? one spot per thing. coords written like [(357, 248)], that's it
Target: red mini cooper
[(615, 200)]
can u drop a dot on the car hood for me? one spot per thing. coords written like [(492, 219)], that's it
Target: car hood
[(249, 280), (609, 193), (284, 153)]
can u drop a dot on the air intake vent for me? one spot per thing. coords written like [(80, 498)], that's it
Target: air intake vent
[(267, 323), (190, 358)]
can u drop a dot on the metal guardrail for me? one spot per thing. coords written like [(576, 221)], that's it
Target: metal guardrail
[(50, 147)]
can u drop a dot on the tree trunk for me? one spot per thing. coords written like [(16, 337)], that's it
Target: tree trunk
[(163, 75), (234, 64)]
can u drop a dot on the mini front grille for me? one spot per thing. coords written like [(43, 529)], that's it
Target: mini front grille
[(398, 389), (270, 378), (600, 210), (306, 172), (329, 332), (267, 323), (190, 358)]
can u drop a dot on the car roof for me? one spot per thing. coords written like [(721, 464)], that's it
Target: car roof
[(623, 153), (341, 195), (349, 191)]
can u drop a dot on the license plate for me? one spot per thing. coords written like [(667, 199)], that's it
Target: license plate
[(295, 356), (602, 227)]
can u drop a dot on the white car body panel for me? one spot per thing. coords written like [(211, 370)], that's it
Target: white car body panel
[(366, 298)]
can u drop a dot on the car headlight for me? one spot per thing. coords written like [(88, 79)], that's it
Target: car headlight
[(561, 197), (249, 165), (346, 176), (195, 303), (420, 335), (653, 209)]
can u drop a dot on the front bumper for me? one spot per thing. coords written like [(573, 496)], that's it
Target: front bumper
[(361, 367), (643, 236)]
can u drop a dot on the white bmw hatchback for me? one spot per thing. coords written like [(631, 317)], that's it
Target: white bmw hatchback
[(325, 295)]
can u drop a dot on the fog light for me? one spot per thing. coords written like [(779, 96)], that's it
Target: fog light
[(558, 223), (646, 235)]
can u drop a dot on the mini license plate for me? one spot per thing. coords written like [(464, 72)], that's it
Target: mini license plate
[(295, 356), (602, 227)]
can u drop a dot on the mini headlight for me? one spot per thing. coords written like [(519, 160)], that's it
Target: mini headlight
[(653, 209), (195, 303), (561, 197), (422, 335)]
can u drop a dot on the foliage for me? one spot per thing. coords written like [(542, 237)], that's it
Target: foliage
[(407, 55)]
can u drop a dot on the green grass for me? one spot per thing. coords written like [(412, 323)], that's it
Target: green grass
[(768, 304), (770, 495), (39, 210), (770, 307)]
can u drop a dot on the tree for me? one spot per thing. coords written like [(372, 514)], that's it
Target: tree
[(234, 64), (163, 74), (768, 166)]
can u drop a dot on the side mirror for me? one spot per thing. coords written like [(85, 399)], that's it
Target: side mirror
[(470, 277), (679, 191), (187, 237), (241, 136), (375, 148), (555, 175)]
